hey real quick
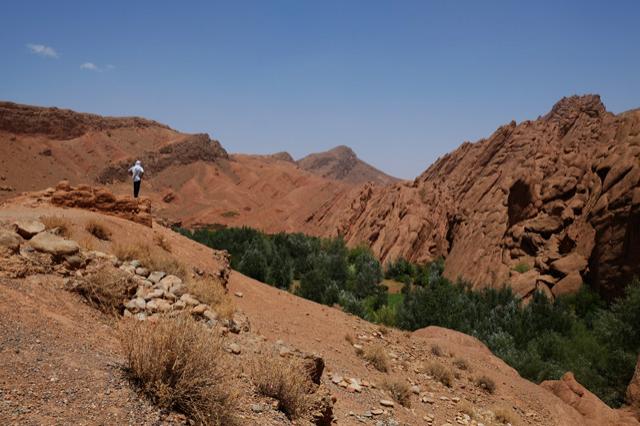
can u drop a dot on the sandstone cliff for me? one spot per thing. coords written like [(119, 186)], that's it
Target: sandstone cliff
[(557, 196)]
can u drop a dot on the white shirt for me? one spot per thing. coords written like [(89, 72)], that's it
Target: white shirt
[(137, 172)]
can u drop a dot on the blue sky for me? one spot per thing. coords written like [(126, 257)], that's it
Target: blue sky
[(401, 82)]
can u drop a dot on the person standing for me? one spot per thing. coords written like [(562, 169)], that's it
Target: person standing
[(136, 171)]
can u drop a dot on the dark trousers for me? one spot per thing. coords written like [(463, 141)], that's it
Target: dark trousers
[(136, 188)]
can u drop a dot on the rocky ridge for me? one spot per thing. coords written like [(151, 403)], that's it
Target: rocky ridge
[(62, 124), (543, 205)]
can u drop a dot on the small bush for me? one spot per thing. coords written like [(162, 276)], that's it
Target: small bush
[(162, 242), (98, 230), (284, 381), (212, 293), (441, 373), (179, 364), (60, 224), (486, 383), (465, 407), (149, 259), (377, 356), (399, 391), (106, 290), (437, 350), (230, 213), (522, 267), (461, 364), (505, 416)]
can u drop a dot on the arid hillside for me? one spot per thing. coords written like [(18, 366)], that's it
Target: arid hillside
[(86, 306), (543, 204), (341, 163), (190, 178)]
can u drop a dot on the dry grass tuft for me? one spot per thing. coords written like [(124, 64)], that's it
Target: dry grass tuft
[(60, 224), (399, 391), (151, 260), (440, 372), (461, 364), (211, 292), (505, 416), (377, 356), (486, 383), (465, 407), (106, 290), (98, 230), (162, 242), (383, 330), (180, 365), (286, 382), (437, 350)]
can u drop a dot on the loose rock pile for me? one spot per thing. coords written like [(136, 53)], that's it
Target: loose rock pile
[(159, 293)]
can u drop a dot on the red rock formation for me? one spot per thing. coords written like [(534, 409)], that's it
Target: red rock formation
[(559, 194), (100, 199), (633, 390), (587, 404)]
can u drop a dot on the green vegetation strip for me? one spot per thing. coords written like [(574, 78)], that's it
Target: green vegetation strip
[(599, 342)]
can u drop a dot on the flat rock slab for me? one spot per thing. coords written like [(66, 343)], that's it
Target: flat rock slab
[(28, 228), (52, 244)]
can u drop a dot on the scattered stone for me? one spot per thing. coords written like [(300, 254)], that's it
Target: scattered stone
[(199, 309), (156, 276), (28, 228), (415, 390), (143, 272), (387, 403), (9, 242), (169, 281), (189, 300), (238, 294), (234, 348), (74, 262)]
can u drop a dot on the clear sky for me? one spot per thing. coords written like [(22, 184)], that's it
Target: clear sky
[(401, 82)]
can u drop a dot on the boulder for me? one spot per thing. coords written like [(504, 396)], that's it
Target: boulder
[(525, 283), (54, 245), (28, 228), (544, 225), (574, 262), (568, 285), (169, 281), (9, 242)]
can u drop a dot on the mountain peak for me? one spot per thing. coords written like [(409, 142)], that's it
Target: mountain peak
[(342, 163)]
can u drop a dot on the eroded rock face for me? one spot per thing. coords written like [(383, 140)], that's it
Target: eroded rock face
[(102, 200), (560, 193), (587, 404)]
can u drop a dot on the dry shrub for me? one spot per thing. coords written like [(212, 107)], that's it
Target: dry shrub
[(465, 407), (461, 364), (505, 416), (358, 350), (106, 290), (211, 292), (149, 259), (436, 350), (180, 365), (377, 356), (349, 338), (87, 242), (383, 330), (58, 223), (439, 372), (486, 383), (286, 382), (162, 242), (98, 230), (399, 391)]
